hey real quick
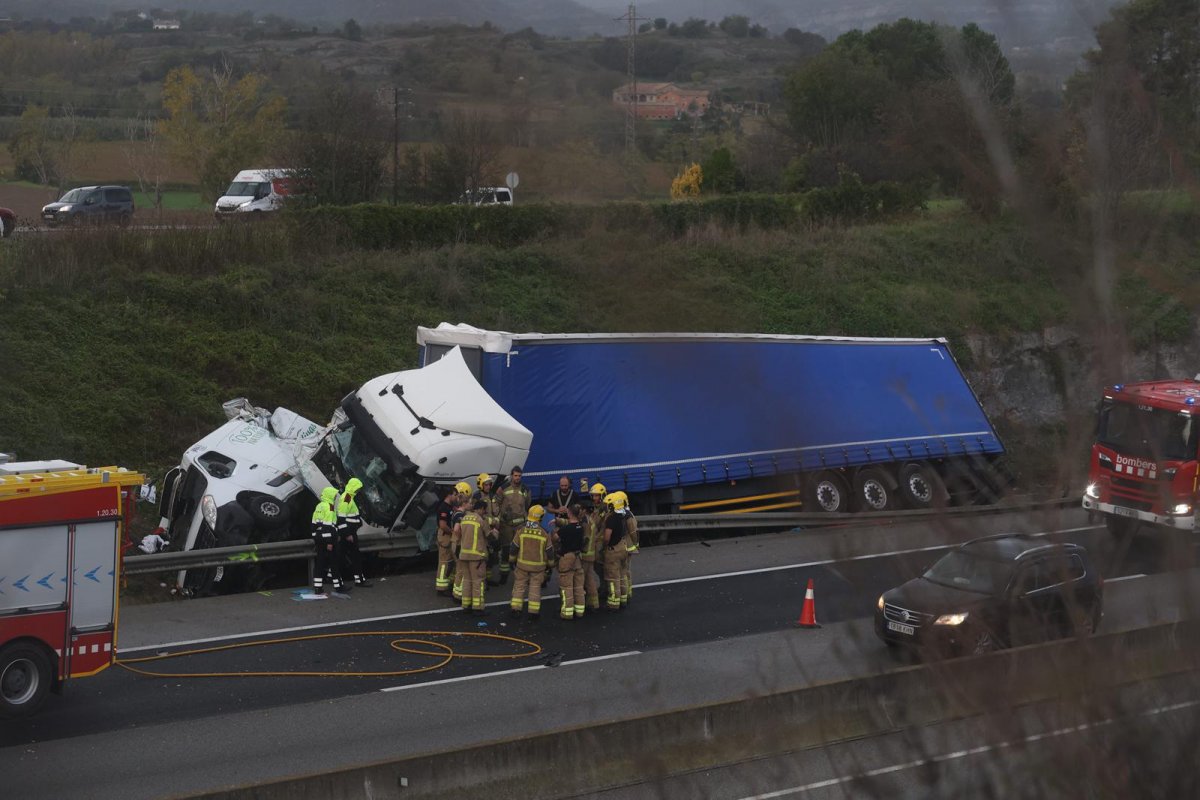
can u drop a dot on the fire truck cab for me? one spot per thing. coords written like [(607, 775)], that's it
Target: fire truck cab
[(1145, 461), (60, 566)]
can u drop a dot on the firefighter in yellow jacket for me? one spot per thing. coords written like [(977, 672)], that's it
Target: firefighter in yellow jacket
[(616, 552), (631, 548), (532, 550), (470, 540), (514, 503), (593, 546)]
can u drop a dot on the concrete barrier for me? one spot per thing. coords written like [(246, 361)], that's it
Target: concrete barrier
[(654, 747)]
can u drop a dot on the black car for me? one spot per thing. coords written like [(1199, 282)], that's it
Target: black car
[(91, 205), (999, 591)]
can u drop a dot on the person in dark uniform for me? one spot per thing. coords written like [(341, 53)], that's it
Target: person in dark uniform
[(444, 514), (569, 538)]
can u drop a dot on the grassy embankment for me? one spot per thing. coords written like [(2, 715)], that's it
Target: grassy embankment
[(119, 348)]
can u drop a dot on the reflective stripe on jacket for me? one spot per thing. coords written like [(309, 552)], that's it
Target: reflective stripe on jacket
[(533, 544)]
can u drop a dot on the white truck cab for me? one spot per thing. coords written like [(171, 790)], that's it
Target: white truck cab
[(256, 478), (487, 196), (255, 190)]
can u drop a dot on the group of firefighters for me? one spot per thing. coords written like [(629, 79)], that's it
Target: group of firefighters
[(589, 539), (503, 529)]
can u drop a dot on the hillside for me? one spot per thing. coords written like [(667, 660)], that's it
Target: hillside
[(125, 346)]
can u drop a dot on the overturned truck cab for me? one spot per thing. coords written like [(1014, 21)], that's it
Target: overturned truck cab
[(256, 478)]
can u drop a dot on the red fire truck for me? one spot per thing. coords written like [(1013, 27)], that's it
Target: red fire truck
[(60, 566), (1145, 463)]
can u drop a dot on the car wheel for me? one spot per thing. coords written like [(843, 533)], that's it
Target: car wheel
[(873, 490), (268, 511), (25, 677), (827, 491), (922, 487), (124, 220)]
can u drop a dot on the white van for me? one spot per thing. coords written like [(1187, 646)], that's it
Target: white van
[(256, 190)]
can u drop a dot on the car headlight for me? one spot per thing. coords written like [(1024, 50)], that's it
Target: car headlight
[(208, 507), (1092, 491), (879, 605), (1182, 508), (65, 209), (951, 619)]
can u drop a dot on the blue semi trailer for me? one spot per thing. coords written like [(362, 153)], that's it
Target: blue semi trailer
[(689, 422)]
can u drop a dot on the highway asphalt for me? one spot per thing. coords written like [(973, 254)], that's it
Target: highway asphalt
[(710, 621)]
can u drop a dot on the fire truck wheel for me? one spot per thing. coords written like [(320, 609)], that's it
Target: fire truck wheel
[(25, 677), (268, 511)]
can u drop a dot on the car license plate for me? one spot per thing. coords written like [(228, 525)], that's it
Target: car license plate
[(1124, 512), (898, 628)]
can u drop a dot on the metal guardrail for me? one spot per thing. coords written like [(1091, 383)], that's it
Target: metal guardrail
[(379, 542)]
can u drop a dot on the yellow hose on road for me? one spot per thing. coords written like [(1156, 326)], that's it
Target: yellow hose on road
[(406, 643)]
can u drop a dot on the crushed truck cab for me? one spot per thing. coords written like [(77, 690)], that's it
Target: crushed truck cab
[(257, 477)]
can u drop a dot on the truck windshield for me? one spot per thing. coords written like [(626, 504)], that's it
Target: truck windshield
[(960, 570), (1147, 432), (385, 493)]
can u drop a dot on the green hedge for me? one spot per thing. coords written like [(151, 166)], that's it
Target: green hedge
[(374, 226)]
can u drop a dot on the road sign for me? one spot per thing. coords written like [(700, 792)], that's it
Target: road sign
[(512, 180)]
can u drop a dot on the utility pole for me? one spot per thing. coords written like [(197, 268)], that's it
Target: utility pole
[(631, 76), (396, 104)]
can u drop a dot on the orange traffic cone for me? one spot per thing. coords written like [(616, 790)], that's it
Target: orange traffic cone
[(808, 615)]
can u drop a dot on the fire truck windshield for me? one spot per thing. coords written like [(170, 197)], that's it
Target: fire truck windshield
[(1148, 432)]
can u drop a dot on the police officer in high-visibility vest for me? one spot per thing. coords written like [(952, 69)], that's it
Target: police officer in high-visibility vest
[(593, 547), (348, 523), (532, 550), (324, 533), (616, 552), (514, 504), (471, 540), (570, 564)]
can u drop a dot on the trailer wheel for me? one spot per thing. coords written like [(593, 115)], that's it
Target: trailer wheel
[(874, 489), (25, 678), (827, 491), (922, 487)]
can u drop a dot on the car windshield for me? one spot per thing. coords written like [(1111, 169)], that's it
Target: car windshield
[(385, 492), (244, 189), (75, 196), (962, 570), (1148, 432)]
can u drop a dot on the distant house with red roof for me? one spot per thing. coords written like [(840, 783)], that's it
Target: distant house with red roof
[(662, 100)]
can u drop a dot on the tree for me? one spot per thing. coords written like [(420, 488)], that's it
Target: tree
[(720, 173), (736, 25), (143, 151), (693, 28), (216, 125), (809, 43), (660, 23), (341, 144), (687, 183), (352, 30), (43, 147), (467, 152)]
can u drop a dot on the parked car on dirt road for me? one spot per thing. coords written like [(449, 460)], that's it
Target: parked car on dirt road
[(91, 205), (8, 222)]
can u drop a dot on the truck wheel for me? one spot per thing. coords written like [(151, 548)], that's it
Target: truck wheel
[(874, 490), (25, 677), (922, 487), (268, 511), (827, 491)]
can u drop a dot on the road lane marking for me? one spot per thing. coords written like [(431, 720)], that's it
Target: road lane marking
[(1125, 578), (504, 603), (958, 754), (460, 679), (826, 562)]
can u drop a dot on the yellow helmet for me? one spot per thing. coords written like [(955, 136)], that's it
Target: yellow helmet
[(616, 501), (535, 513), (462, 487), (598, 488), (624, 499), (484, 478)]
